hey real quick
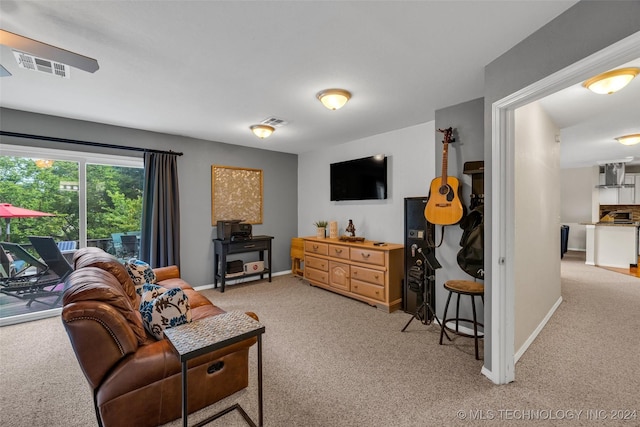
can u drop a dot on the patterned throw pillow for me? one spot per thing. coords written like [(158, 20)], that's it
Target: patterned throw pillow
[(141, 273), (163, 308)]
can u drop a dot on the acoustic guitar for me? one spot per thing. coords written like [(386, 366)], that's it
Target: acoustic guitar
[(444, 206)]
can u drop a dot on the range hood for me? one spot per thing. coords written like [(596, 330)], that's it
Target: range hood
[(614, 176)]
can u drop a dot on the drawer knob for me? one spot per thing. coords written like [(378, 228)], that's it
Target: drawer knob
[(365, 255), (315, 247), (376, 276), (355, 273), (338, 251)]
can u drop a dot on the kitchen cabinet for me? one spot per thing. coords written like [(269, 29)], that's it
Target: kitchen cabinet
[(621, 196), (626, 195), (616, 245)]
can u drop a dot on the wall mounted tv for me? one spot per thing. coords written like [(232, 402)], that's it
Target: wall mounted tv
[(359, 179)]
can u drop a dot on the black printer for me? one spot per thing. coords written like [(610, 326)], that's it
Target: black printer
[(234, 230)]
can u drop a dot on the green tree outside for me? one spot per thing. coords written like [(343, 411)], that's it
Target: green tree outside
[(114, 198)]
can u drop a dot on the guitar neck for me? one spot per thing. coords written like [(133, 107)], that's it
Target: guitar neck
[(445, 156)]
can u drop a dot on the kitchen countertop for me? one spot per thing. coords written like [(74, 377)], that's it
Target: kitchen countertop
[(611, 224)]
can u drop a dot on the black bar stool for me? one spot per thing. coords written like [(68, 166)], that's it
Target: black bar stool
[(463, 287)]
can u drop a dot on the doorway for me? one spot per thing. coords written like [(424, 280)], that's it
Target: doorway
[(503, 189)]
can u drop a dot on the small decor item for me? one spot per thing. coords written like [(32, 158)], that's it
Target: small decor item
[(333, 229), (163, 308), (321, 229), (352, 239), (351, 229)]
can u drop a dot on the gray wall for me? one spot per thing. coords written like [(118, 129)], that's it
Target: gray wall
[(194, 170), (584, 29), (466, 119)]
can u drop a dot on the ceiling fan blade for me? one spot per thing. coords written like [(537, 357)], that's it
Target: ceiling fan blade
[(4, 72), (48, 51)]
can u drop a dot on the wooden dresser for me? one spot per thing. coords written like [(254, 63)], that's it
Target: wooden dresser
[(359, 270)]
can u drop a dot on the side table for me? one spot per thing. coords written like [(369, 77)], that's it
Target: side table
[(222, 248), (213, 333)]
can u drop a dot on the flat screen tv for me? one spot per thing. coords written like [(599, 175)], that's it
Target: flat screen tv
[(359, 179)]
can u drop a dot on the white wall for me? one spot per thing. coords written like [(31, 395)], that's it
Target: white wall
[(576, 191), (411, 167), (537, 225)]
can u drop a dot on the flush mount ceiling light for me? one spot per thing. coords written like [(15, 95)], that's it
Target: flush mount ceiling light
[(262, 131), (632, 139), (611, 81), (334, 99)]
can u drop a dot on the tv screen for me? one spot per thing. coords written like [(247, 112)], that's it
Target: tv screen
[(359, 179)]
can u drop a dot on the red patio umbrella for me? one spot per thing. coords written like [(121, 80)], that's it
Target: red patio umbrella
[(8, 211)]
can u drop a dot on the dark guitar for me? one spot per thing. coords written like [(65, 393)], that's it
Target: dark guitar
[(444, 206)]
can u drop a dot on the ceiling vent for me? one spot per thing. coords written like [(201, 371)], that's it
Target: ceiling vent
[(274, 121), (47, 66)]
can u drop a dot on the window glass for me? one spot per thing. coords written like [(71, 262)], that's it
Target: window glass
[(92, 200)]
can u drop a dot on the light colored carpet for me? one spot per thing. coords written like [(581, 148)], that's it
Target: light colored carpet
[(332, 361)]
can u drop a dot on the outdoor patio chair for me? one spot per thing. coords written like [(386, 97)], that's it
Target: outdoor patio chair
[(68, 248), (51, 255), (129, 246), (32, 281)]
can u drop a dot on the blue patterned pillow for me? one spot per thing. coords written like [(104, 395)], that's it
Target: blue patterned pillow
[(163, 308), (141, 273)]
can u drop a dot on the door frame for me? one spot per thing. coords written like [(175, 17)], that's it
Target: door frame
[(503, 191)]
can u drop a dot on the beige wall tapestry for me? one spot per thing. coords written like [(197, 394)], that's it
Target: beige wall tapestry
[(236, 193)]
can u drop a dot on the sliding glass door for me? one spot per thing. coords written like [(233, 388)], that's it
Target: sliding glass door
[(81, 199)]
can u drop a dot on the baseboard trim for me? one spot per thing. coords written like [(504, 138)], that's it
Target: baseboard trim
[(536, 332), (28, 317), (243, 280), (488, 373)]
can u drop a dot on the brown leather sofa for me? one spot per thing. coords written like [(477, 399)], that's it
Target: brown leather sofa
[(135, 379)]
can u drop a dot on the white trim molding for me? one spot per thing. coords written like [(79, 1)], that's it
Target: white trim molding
[(502, 172), (537, 331)]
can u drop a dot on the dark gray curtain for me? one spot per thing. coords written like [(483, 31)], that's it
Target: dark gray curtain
[(160, 231)]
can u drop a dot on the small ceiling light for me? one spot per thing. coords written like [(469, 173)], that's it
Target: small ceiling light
[(611, 81), (333, 99), (632, 139), (262, 131)]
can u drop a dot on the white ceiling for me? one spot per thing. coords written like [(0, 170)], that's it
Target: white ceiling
[(210, 69)]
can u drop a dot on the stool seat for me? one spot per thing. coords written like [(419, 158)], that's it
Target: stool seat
[(467, 287), (472, 289)]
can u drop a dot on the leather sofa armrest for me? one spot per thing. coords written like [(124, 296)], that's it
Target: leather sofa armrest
[(169, 272), (100, 337)]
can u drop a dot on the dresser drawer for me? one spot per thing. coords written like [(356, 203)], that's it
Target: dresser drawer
[(367, 289), (316, 248), (367, 275), (317, 263), (314, 275), (336, 251), (367, 256)]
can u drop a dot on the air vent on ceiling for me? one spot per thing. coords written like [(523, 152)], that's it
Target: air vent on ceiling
[(47, 66), (274, 121)]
